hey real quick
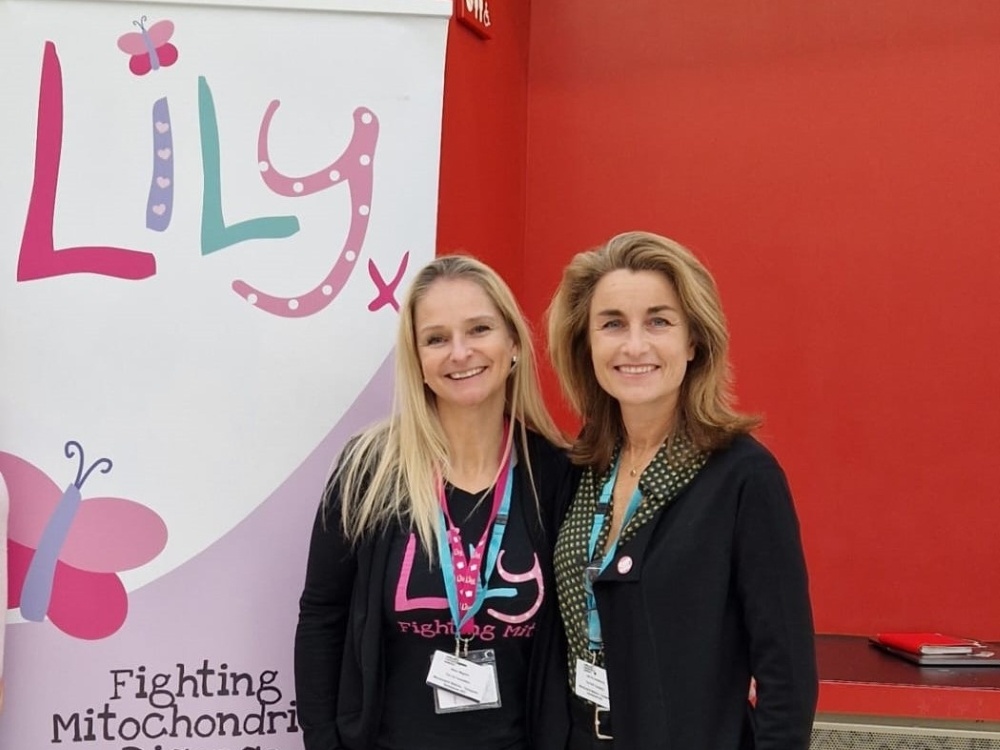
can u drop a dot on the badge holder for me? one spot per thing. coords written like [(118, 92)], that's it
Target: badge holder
[(447, 702), (591, 682), (592, 686)]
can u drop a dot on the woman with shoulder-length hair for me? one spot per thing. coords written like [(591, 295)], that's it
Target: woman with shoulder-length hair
[(679, 568), (428, 619)]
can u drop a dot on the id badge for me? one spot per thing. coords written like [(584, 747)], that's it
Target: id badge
[(592, 684), (456, 675), (447, 701)]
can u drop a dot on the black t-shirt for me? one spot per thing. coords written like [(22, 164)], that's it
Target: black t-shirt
[(418, 622)]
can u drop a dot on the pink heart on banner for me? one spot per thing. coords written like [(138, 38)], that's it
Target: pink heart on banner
[(162, 127), (164, 153), (163, 181), (159, 209)]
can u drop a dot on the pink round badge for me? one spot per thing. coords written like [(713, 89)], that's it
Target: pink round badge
[(624, 564)]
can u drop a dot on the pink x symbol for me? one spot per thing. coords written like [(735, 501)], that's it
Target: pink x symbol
[(386, 291)]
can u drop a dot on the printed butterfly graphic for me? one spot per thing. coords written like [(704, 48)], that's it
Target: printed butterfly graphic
[(150, 48), (64, 552)]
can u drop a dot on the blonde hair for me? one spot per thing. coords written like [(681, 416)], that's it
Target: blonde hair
[(390, 472), (705, 406)]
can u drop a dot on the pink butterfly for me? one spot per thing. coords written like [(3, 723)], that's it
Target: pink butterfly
[(149, 48), (64, 553)]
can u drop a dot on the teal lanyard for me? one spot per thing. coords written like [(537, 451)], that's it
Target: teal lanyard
[(592, 571)]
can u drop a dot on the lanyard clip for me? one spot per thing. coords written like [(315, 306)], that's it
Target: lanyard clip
[(462, 645)]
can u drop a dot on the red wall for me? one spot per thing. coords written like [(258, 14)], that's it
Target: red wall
[(484, 143), (836, 163)]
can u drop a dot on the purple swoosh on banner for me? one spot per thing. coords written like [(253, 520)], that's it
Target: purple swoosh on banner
[(231, 608)]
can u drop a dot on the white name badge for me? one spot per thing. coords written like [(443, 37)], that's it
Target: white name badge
[(592, 683), (458, 676)]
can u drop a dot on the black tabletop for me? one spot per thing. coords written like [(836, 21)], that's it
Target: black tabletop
[(850, 658)]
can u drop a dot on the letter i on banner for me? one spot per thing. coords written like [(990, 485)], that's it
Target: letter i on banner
[(149, 49), (161, 189)]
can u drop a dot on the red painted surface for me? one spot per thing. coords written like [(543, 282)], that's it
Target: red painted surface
[(874, 699), (856, 678), (837, 165), (484, 144)]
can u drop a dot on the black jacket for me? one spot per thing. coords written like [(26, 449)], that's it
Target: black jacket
[(716, 591), (339, 669)]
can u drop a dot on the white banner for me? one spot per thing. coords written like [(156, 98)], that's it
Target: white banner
[(209, 212)]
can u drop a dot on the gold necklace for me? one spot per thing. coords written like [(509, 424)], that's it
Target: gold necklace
[(637, 465)]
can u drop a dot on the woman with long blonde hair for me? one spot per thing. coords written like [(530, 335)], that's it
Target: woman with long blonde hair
[(427, 620)]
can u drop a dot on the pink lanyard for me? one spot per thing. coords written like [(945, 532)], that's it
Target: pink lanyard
[(466, 574)]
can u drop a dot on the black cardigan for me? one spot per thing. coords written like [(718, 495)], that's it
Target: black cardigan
[(717, 591), (339, 669)]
